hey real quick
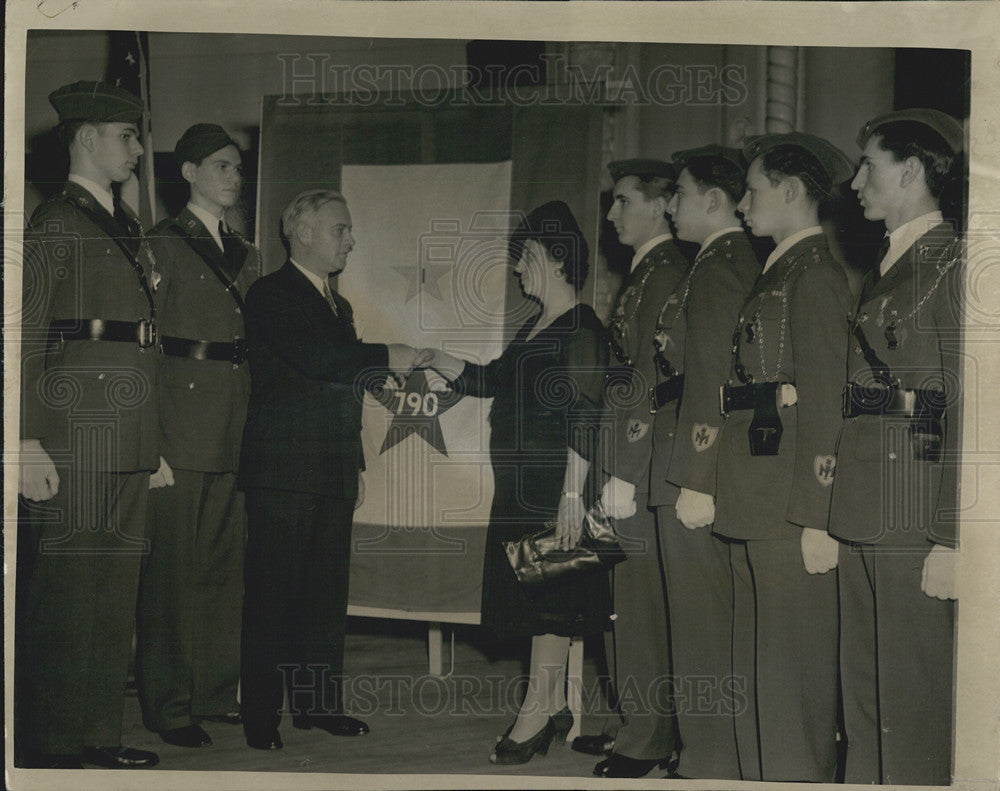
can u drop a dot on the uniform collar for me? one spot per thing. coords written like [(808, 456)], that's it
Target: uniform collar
[(718, 234), (209, 220), (905, 235), (789, 242), (101, 195), (641, 251)]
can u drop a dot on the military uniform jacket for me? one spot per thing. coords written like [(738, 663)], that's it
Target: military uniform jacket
[(628, 452), (308, 374), (75, 270), (721, 279), (883, 494), (202, 402), (791, 329)]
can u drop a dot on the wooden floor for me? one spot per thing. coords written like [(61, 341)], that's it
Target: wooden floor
[(420, 724)]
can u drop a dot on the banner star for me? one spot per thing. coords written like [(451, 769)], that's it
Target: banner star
[(416, 409)]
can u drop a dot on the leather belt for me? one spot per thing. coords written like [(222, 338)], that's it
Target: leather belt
[(142, 332), (734, 399), (665, 392), (235, 352), (875, 400)]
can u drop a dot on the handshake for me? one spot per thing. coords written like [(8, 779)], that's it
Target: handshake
[(403, 359)]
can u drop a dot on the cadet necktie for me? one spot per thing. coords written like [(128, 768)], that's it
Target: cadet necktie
[(328, 296), (883, 251), (129, 234), (231, 250)]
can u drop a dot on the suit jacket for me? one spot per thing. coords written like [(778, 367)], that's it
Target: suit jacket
[(628, 452), (308, 374), (75, 270), (203, 403), (793, 329), (881, 493), (722, 277)]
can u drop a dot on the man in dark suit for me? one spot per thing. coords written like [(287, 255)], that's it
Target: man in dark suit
[(699, 580), (89, 438), (191, 591), (641, 651), (781, 406), (895, 498), (299, 467)]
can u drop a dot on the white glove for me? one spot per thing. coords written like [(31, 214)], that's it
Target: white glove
[(819, 550), (938, 577), (618, 498), (162, 477), (695, 509), (38, 479)]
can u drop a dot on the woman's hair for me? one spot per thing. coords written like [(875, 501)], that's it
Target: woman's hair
[(554, 227)]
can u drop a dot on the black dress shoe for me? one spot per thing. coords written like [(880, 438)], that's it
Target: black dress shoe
[(597, 744), (508, 751), (563, 720), (120, 757), (186, 736), (229, 718), (270, 741), (621, 766), (334, 724)]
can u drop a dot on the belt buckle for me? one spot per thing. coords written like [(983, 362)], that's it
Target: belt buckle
[(240, 349), (652, 401), (722, 402), (145, 330)]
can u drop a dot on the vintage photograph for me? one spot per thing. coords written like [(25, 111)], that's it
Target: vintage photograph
[(500, 404)]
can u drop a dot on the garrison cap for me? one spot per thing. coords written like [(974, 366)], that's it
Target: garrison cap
[(643, 168), (948, 128), (734, 155), (201, 140), (100, 102), (834, 161)]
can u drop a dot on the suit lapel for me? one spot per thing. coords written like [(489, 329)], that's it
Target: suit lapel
[(314, 302)]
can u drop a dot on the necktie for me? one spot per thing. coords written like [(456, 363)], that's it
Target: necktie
[(129, 234), (328, 296), (883, 251)]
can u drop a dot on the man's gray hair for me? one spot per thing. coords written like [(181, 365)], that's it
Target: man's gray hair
[(306, 204)]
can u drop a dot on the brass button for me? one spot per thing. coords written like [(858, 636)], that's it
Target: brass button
[(892, 456), (191, 386)]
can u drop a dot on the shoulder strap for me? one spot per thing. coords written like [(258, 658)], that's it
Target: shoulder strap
[(133, 261), (229, 285)]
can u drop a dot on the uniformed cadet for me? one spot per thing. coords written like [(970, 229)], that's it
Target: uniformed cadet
[(781, 406), (191, 594), (699, 580), (641, 663), (89, 437), (895, 498)]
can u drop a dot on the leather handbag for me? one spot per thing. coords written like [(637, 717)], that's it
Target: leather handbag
[(537, 557)]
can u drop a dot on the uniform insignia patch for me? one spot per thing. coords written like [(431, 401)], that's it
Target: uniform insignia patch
[(637, 430), (823, 468), (703, 436)]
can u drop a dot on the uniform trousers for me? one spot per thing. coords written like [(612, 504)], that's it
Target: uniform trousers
[(191, 599), (294, 606), (700, 604), (897, 669), (80, 610), (785, 648), (641, 641)]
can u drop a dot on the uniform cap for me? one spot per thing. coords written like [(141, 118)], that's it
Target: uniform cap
[(201, 140), (681, 158), (100, 102), (834, 161), (948, 128), (643, 168)]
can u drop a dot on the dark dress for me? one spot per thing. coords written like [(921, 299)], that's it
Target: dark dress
[(547, 395)]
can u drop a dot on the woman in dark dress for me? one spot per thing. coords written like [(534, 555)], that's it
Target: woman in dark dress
[(547, 390)]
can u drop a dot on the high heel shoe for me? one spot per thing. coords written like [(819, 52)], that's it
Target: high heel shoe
[(508, 751), (563, 720)]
